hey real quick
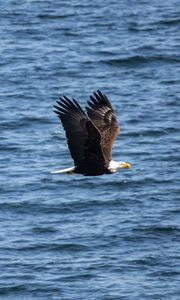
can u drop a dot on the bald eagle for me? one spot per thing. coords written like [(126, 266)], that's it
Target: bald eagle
[(90, 135)]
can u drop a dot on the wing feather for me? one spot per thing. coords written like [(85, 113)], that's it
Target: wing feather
[(84, 139), (102, 115)]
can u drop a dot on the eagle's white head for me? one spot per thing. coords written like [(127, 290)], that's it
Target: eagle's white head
[(115, 165)]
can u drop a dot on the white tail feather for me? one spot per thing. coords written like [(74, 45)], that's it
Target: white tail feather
[(68, 171)]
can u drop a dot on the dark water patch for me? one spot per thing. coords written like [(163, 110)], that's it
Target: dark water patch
[(74, 278), (169, 22), (150, 261), (173, 103), (69, 247), (142, 60), (51, 16), (44, 230), (170, 82), (9, 148), (175, 211), (66, 247), (136, 27), (153, 25), (159, 230), (69, 32), (12, 289), (163, 274)]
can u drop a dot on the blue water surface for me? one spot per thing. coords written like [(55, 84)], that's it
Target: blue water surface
[(111, 237)]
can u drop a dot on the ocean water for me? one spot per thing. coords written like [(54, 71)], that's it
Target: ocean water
[(72, 237)]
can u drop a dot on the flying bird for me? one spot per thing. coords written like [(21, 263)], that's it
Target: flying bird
[(90, 135)]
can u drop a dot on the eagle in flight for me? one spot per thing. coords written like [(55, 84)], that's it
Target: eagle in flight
[(90, 135)]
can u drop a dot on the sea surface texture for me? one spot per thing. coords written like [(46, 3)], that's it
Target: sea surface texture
[(69, 237)]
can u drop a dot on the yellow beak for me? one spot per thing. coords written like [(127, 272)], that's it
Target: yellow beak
[(126, 165)]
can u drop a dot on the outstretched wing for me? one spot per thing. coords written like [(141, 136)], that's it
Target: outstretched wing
[(84, 139), (103, 117)]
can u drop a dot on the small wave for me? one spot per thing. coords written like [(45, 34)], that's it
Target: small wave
[(54, 17), (169, 22), (165, 273), (135, 27), (75, 247), (147, 133), (75, 277), (12, 289), (42, 230), (10, 148), (68, 32), (152, 132), (170, 81), (175, 211), (148, 261), (163, 230), (24, 122), (140, 59), (32, 208)]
